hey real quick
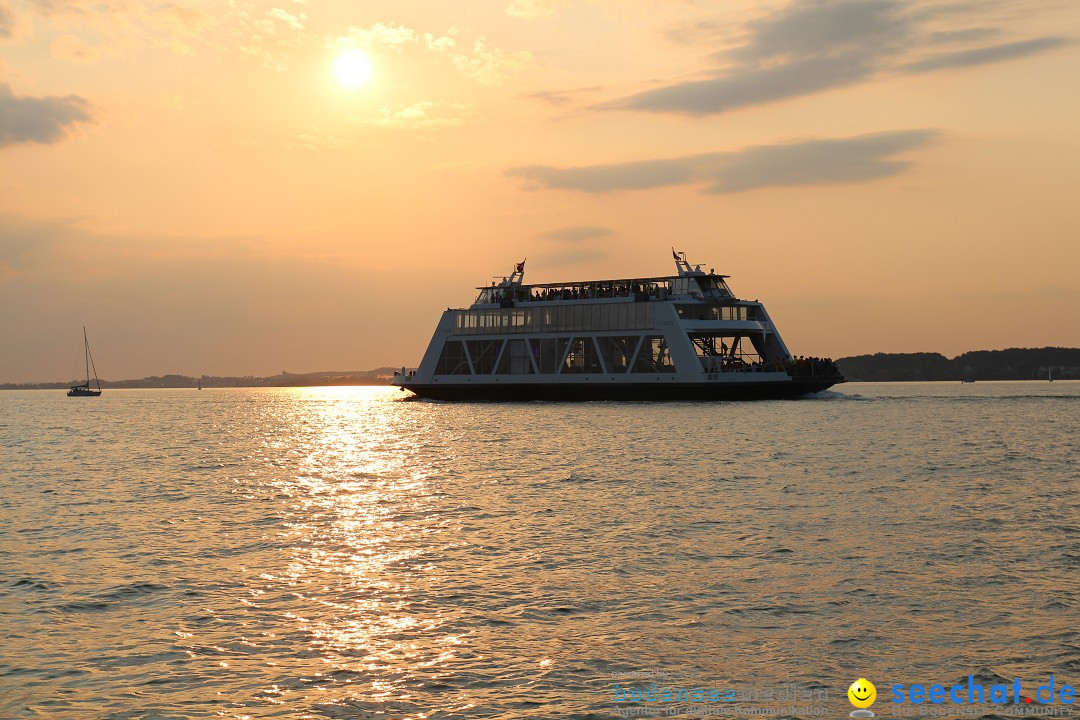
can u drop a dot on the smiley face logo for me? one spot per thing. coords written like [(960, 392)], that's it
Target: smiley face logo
[(862, 693)]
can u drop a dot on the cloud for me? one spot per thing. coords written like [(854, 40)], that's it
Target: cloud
[(988, 54), (482, 62), (577, 233), (379, 38), (423, 114), (532, 9), (640, 175), (811, 46), (7, 22), (562, 98), (442, 43), (296, 22), (812, 28), (44, 120), (315, 139), (69, 47), (751, 87), (490, 65), (817, 162), (809, 162)]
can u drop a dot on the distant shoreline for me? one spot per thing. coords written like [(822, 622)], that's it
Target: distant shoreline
[(984, 365), (377, 377)]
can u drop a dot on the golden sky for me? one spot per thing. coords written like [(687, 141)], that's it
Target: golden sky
[(205, 187)]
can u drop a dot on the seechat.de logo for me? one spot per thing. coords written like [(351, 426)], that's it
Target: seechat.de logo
[(973, 692)]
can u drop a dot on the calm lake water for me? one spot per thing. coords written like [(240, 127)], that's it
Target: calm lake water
[(338, 553)]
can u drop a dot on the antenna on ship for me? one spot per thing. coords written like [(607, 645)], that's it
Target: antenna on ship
[(680, 262), (519, 273)]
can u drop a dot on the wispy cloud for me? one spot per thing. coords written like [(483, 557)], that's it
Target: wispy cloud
[(989, 54), (296, 22), (533, 9), (424, 114), (7, 22), (479, 60), (562, 98), (487, 64), (43, 120), (69, 47), (810, 46), (752, 86), (390, 38), (810, 162), (577, 233)]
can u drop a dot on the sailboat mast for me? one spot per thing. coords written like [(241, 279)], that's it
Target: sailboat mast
[(90, 356), (86, 355)]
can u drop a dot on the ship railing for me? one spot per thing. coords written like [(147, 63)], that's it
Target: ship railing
[(727, 365), (575, 292)]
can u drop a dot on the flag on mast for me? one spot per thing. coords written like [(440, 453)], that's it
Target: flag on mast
[(675, 254), (521, 266)]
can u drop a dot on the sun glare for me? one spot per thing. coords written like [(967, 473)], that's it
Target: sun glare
[(353, 68)]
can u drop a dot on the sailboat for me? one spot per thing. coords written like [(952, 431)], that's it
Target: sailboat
[(84, 390)]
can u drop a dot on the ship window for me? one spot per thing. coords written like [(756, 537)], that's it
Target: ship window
[(654, 356), (643, 316), (547, 320), (566, 319), (522, 320), (617, 352), (483, 354), (548, 353), (515, 359), (453, 360), (582, 357)]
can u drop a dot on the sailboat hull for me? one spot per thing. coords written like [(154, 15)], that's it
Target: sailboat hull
[(83, 392)]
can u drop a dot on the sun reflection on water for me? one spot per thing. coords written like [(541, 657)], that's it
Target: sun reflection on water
[(363, 531)]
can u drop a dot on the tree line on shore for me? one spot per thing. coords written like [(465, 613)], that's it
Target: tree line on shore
[(1011, 364)]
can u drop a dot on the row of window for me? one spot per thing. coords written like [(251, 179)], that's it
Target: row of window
[(568, 318), (560, 355), (716, 312)]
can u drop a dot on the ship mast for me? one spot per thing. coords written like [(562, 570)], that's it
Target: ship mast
[(86, 355)]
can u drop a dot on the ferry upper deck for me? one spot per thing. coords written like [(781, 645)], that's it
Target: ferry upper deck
[(691, 284)]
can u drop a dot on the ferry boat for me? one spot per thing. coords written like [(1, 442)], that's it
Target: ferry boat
[(676, 337)]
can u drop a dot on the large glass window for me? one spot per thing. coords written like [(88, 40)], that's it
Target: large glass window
[(617, 352), (453, 361), (582, 357), (548, 353), (483, 354), (654, 356), (515, 359)]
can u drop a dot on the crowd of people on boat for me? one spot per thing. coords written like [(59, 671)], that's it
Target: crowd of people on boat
[(811, 366), (795, 366), (638, 291)]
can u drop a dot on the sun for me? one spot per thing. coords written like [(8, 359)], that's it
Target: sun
[(353, 68)]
